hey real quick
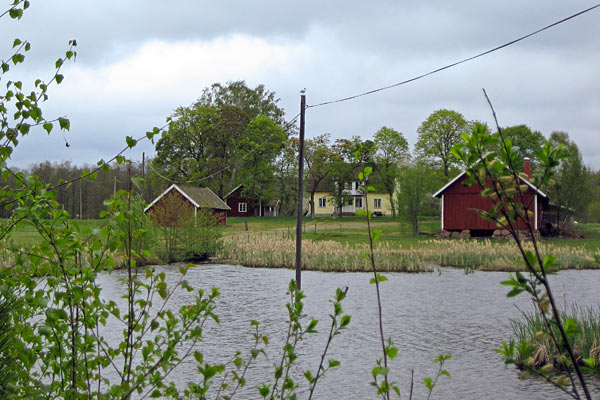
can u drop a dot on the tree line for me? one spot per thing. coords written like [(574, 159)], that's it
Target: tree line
[(236, 135)]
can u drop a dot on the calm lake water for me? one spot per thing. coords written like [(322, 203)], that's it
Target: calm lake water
[(425, 314)]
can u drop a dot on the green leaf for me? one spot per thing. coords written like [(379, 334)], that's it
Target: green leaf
[(591, 362), (48, 127), (515, 292), (131, 142), (333, 363), (345, 321), (59, 78), (368, 171), (571, 327), (428, 383), (379, 371), (64, 123), (380, 278), (392, 352), (154, 325)]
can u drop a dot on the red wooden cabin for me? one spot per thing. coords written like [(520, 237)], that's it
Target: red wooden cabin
[(179, 203), (241, 206), (459, 203)]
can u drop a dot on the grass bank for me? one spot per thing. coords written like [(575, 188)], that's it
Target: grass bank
[(277, 249), (533, 347), (337, 244)]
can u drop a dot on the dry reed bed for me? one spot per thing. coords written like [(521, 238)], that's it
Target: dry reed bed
[(273, 251), (277, 250)]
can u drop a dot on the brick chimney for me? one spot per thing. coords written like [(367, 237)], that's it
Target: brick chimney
[(527, 167)]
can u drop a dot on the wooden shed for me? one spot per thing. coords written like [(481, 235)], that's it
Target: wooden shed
[(459, 205), (179, 203)]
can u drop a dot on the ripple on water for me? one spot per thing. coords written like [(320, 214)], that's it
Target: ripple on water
[(425, 314)]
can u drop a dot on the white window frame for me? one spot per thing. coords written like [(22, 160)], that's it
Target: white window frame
[(357, 201), (377, 203), (322, 202), (242, 207)]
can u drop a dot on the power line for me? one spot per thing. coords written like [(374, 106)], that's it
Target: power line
[(287, 125), (455, 63)]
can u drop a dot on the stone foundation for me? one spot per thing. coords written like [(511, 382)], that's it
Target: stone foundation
[(498, 234)]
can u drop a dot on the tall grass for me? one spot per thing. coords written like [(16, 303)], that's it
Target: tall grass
[(585, 344), (276, 249), (495, 255)]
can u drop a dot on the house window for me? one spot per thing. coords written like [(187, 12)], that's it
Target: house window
[(377, 203), (350, 201), (358, 203), (322, 203), (242, 207)]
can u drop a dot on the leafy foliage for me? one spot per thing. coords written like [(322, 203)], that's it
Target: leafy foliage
[(391, 153), (438, 133), (495, 172), (216, 136)]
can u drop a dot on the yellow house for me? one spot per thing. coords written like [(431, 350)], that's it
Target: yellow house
[(355, 199)]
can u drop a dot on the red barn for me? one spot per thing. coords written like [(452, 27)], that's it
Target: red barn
[(179, 203), (459, 203)]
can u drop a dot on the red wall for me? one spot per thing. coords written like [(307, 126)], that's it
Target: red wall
[(460, 203), (233, 201)]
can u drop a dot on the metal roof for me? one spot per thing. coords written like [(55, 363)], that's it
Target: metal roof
[(200, 197)]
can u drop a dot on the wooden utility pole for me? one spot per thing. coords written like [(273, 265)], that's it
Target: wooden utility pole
[(80, 198), (300, 193), (144, 175)]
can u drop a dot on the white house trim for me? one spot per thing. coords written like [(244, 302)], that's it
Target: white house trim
[(442, 205), (234, 189), (531, 185), (173, 186)]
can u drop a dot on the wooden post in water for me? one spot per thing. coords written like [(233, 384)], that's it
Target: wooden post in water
[(300, 193)]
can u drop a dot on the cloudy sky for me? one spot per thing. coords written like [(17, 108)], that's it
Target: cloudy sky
[(139, 60)]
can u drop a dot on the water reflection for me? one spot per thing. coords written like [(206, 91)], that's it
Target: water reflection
[(425, 314)]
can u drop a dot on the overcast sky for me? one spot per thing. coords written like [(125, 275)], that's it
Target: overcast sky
[(139, 60)]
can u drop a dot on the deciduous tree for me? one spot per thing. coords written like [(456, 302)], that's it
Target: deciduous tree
[(571, 188), (318, 157), (416, 183), (391, 151), (438, 133), (529, 142)]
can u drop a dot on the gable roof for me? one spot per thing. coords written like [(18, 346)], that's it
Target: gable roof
[(200, 197), (525, 181), (232, 191)]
